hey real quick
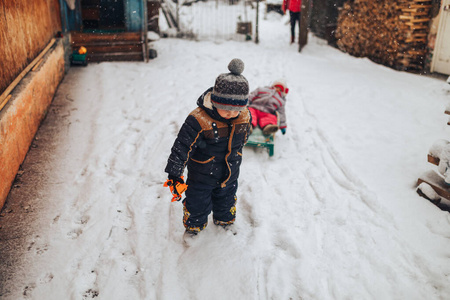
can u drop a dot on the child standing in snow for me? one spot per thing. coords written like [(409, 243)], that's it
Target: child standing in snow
[(210, 144), (265, 103)]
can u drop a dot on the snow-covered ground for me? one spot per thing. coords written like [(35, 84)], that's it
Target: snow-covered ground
[(332, 215)]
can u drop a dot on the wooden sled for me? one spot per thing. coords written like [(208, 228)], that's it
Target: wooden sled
[(259, 140)]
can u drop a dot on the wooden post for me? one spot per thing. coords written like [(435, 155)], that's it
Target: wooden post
[(145, 32), (178, 16), (304, 24), (257, 23)]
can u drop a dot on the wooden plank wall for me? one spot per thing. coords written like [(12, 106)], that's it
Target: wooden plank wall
[(21, 117), (26, 27)]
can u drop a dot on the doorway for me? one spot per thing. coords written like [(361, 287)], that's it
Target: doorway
[(441, 56), (103, 15)]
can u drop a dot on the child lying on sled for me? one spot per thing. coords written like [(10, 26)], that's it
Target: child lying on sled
[(264, 105)]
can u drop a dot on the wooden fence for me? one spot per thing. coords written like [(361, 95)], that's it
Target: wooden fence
[(26, 27)]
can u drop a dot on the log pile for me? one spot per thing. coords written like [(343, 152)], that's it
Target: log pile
[(415, 18), (390, 32)]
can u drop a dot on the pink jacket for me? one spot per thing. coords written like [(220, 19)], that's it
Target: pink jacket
[(268, 100), (292, 5)]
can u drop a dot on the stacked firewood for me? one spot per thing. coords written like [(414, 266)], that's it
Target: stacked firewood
[(390, 32), (415, 17)]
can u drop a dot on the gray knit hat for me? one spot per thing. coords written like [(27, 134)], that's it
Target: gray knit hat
[(231, 89)]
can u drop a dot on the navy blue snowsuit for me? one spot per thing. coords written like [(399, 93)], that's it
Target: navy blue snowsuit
[(211, 148)]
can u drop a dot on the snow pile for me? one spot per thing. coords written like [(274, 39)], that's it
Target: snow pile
[(441, 150), (429, 192), (438, 147)]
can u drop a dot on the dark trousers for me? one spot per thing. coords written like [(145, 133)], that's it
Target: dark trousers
[(294, 17), (201, 199)]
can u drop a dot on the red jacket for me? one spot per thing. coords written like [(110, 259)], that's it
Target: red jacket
[(292, 5)]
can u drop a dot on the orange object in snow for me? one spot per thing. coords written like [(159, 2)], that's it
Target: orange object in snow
[(177, 189), (82, 50)]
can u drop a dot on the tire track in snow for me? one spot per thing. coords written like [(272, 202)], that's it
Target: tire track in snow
[(103, 179), (108, 172), (328, 208), (278, 255), (346, 203)]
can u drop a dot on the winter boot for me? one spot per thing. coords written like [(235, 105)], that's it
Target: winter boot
[(292, 39), (228, 226), (269, 129)]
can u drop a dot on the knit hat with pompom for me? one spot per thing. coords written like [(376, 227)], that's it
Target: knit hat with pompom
[(231, 89)]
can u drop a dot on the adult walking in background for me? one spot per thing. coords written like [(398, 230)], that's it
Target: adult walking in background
[(295, 8)]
